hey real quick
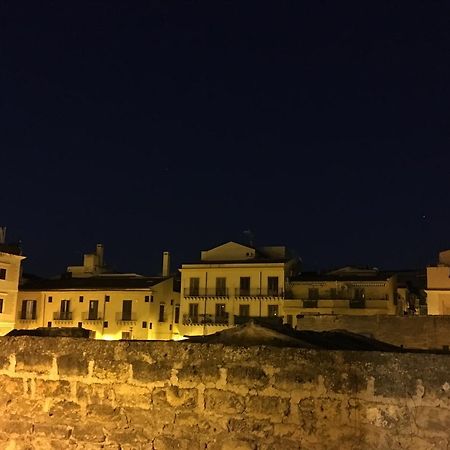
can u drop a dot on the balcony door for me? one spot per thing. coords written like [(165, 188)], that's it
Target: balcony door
[(193, 312), (244, 286), (28, 310), (194, 286), (272, 286), (93, 310), (126, 309), (65, 310)]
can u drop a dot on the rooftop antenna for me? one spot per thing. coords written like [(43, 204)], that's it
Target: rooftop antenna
[(250, 236), (2, 235)]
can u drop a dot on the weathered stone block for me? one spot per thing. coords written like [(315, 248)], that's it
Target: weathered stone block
[(433, 420), (202, 373), (224, 402), (52, 430), (88, 432), (145, 372), (49, 388), (96, 393), (274, 408), (247, 426), (251, 377), (31, 361), (172, 396), (130, 395), (117, 371), (72, 364), (15, 427), (65, 411), (170, 443)]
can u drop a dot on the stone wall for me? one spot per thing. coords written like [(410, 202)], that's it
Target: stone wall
[(63, 393), (424, 332)]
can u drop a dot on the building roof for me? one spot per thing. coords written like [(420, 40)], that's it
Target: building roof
[(260, 260), (92, 283), (344, 276), (253, 334), (12, 249)]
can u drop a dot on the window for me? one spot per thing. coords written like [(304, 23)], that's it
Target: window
[(177, 314), (147, 298), (81, 299), (194, 286), (80, 324), (1, 305), (244, 310), (221, 286), (161, 313), (28, 311), (359, 294), (289, 319), (272, 286), (105, 324), (49, 324), (2, 274), (272, 310), (107, 298), (126, 309), (150, 325), (220, 310), (126, 334), (193, 311), (50, 299), (313, 293), (244, 286), (93, 310), (144, 324)]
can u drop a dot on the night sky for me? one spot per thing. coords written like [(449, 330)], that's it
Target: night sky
[(152, 126)]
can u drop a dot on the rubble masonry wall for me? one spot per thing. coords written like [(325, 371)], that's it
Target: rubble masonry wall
[(63, 393)]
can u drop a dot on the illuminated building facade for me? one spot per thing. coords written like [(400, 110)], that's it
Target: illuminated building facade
[(438, 286), (349, 291), (233, 283), (10, 269), (110, 305)]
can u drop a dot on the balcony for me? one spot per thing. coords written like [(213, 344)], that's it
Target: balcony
[(310, 303), (205, 319), (357, 303), (27, 318), (241, 292), (268, 321), (62, 315), (91, 317), (125, 318), (206, 292)]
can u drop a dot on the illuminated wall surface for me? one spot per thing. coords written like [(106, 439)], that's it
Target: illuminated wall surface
[(65, 393)]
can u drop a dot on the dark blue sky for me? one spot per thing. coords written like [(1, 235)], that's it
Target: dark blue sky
[(155, 126)]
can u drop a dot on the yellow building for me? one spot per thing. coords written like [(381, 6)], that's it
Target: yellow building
[(233, 283), (438, 286), (10, 262), (112, 306), (349, 291)]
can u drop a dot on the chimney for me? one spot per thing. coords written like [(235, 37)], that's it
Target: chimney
[(166, 264), (99, 253), (2, 235)]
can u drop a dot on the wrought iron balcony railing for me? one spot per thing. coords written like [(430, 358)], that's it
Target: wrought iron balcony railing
[(206, 319), (91, 316), (125, 317), (271, 321), (62, 315), (242, 292), (206, 292)]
